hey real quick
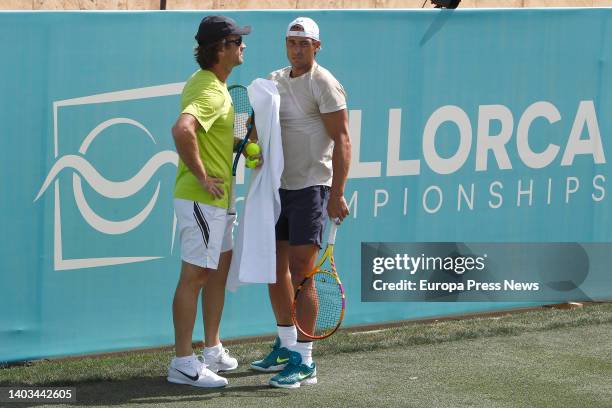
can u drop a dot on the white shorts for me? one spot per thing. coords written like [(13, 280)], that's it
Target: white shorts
[(205, 231)]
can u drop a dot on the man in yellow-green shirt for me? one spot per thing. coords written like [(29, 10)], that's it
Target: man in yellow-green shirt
[(203, 135)]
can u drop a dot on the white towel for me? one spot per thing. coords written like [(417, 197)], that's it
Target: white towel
[(254, 257)]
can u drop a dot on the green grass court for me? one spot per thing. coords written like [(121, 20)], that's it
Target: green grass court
[(544, 358)]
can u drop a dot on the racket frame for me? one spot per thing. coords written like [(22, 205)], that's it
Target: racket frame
[(245, 139), (327, 254)]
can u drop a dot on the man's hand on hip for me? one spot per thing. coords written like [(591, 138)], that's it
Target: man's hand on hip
[(213, 185)]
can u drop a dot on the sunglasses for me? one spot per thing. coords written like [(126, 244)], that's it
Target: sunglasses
[(237, 41)]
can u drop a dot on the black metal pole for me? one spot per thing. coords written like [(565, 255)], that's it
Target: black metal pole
[(162, 4)]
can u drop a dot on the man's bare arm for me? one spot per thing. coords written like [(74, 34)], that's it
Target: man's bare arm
[(336, 124), (185, 140)]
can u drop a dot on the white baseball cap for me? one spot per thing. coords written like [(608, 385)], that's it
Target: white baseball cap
[(310, 29)]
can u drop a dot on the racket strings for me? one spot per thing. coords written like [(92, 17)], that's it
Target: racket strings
[(242, 110), (319, 305)]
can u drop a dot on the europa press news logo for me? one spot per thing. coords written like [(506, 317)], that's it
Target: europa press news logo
[(114, 228)]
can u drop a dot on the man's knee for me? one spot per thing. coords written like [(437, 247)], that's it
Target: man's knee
[(193, 275), (300, 267)]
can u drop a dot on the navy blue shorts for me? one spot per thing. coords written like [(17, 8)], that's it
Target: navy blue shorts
[(303, 215)]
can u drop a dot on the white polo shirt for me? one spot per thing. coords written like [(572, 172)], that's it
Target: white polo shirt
[(307, 147)]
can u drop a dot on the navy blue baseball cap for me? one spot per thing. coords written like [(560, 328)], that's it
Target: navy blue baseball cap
[(216, 27)]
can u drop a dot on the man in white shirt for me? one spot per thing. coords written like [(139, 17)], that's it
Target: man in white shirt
[(317, 152)]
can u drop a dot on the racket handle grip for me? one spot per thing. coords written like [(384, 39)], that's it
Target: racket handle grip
[(332, 232)]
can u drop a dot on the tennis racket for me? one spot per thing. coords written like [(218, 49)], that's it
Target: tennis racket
[(318, 305), (242, 112)]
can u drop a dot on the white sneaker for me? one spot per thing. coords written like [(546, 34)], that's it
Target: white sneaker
[(221, 362), (194, 372)]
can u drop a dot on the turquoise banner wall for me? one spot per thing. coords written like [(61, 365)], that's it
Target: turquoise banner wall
[(467, 126)]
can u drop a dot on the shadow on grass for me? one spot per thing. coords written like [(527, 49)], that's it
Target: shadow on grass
[(246, 373), (157, 391)]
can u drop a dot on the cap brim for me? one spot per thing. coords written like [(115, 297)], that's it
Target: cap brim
[(242, 30)]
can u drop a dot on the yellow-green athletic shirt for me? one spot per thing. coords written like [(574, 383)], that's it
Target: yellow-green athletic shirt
[(207, 99)]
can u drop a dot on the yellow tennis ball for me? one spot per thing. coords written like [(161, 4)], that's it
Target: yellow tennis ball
[(252, 163), (252, 149)]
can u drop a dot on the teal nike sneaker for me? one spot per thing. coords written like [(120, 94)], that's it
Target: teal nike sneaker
[(275, 361), (295, 373)]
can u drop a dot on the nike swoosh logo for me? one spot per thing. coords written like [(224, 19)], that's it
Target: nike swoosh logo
[(303, 376), (191, 377), (281, 360)]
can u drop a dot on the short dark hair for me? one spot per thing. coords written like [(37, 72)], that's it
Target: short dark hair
[(208, 55)]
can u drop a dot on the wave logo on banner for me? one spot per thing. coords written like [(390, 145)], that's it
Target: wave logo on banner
[(83, 169)]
